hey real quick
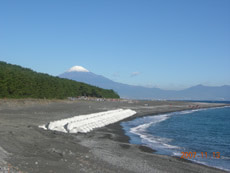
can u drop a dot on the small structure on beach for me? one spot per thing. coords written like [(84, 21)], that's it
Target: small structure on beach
[(86, 123)]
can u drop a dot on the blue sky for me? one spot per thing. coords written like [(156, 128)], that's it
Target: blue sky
[(170, 44)]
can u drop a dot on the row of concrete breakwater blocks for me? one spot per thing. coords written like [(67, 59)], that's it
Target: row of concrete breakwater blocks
[(86, 123)]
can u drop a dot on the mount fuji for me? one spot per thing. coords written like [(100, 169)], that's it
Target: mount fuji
[(199, 92)]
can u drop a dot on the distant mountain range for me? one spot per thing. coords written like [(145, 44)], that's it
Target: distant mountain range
[(198, 92)]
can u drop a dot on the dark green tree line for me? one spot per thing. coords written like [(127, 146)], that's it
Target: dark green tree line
[(19, 82)]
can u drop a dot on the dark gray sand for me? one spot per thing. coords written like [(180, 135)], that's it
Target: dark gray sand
[(26, 148)]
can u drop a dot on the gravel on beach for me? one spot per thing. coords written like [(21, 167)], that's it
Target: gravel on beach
[(26, 148)]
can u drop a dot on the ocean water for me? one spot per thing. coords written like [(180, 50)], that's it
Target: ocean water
[(201, 131)]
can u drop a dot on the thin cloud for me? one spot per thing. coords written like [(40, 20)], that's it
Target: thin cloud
[(116, 75), (133, 74)]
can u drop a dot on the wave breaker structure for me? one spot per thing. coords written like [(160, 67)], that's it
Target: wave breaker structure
[(86, 123)]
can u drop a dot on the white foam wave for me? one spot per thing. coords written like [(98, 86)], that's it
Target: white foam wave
[(153, 140), (162, 143), (188, 111), (175, 153), (149, 139), (225, 157), (154, 120), (201, 109)]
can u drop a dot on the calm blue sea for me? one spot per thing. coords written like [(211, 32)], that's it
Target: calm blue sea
[(204, 130)]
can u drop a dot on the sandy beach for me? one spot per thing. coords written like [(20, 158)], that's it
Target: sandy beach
[(26, 148)]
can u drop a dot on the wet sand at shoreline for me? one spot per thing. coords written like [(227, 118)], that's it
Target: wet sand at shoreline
[(26, 148)]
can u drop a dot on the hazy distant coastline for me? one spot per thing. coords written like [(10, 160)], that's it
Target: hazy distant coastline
[(198, 92)]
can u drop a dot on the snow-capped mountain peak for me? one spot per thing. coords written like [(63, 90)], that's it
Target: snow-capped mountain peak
[(77, 69)]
